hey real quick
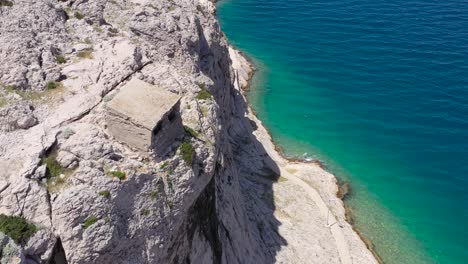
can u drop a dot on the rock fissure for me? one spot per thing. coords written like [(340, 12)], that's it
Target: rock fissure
[(103, 94)]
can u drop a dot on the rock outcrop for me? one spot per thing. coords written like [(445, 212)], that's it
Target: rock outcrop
[(213, 198)]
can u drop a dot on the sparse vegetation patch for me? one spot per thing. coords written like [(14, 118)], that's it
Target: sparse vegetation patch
[(164, 165), (145, 212), (153, 195), (53, 85), (78, 15), (6, 3), (85, 54), (3, 102), (203, 94), (118, 174), (187, 152), (53, 167), (191, 131), (113, 31), (60, 59), (56, 175), (105, 194), (17, 228), (169, 184), (89, 222), (98, 29), (88, 41)]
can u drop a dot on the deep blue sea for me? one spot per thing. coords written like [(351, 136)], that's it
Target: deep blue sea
[(378, 90)]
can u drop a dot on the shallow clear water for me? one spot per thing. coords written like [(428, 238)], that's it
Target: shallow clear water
[(378, 90)]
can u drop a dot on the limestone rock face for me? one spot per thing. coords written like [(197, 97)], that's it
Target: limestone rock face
[(17, 116), (207, 198), (103, 202), (41, 246), (33, 33), (11, 252)]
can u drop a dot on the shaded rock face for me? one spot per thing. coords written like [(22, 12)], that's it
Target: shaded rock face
[(95, 199), (10, 252)]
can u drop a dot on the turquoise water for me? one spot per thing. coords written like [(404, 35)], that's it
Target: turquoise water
[(378, 90)]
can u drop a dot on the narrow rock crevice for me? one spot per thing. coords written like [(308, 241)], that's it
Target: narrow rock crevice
[(58, 254), (204, 219)]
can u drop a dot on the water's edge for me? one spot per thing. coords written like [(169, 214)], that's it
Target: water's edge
[(279, 149)]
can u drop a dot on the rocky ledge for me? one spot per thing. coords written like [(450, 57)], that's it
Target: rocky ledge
[(70, 192)]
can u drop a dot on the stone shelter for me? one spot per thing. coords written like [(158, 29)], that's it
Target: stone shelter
[(145, 117)]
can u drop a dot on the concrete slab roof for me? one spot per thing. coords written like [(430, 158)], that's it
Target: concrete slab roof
[(143, 103)]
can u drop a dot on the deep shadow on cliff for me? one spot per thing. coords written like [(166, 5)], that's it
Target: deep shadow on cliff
[(235, 213)]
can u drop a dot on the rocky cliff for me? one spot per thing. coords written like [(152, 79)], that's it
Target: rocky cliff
[(221, 194)]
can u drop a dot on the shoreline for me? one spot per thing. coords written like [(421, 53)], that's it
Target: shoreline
[(247, 66), (245, 89)]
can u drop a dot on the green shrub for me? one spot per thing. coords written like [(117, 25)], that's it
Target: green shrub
[(187, 152), (169, 184), (118, 174), (164, 165), (153, 195), (78, 15), (3, 102), (170, 171), (60, 59), (52, 85), (191, 131), (89, 222), (11, 88), (98, 29), (25, 94), (113, 31), (203, 95), (6, 3), (145, 212), (17, 228), (53, 167), (105, 194)]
